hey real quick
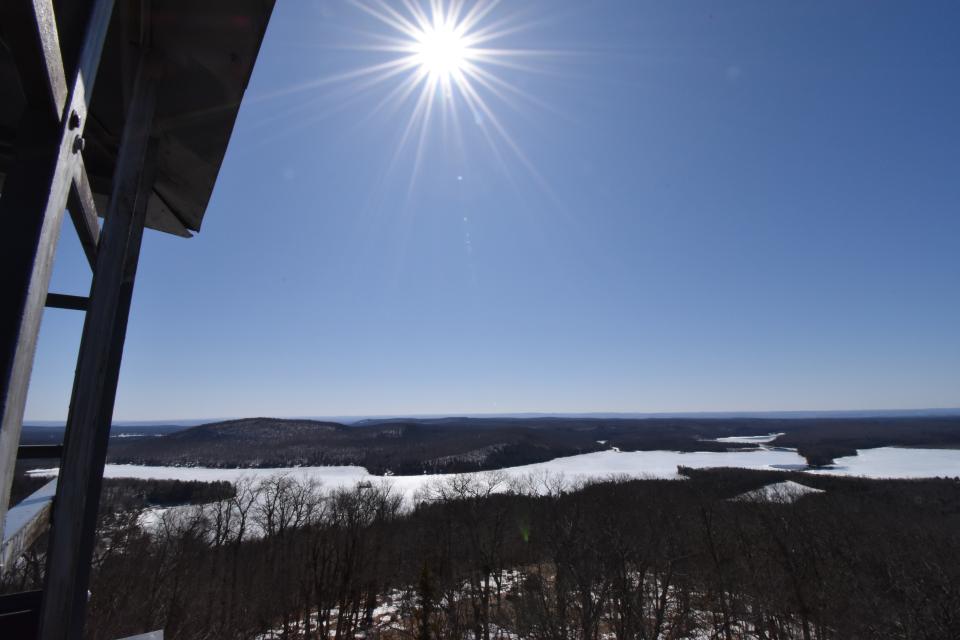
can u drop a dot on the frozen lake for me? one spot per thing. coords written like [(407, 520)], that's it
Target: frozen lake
[(884, 462)]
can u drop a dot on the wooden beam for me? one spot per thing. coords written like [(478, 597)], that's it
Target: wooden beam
[(35, 194), (41, 70), (39, 451), (83, 212), (98, 366), (20, 601), (35, 45), (41, 50), (66, 301), (20, 614), (32, 27)]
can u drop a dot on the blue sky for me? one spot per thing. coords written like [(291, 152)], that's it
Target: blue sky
[(702, 206)]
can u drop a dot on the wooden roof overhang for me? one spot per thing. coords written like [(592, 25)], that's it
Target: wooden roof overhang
[(207, 49)]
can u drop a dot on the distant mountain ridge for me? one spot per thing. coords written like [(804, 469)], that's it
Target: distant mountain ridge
[(461, 444), (358, 419), (255, 429)]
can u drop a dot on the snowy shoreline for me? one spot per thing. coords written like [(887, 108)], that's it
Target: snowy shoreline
[(883, 462)]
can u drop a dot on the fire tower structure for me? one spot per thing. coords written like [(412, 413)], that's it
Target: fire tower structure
[(114, 110)]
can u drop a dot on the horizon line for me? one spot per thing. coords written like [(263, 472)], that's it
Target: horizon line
[(774, 413)]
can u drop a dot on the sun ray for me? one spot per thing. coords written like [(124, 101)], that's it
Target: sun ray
[(477, 13), (418, 110), (388, 16), (423, 22), (507, 138), (424, 122), (396, 98)]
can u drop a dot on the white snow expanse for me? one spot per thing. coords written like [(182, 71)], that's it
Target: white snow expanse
[(897, 462), (885, 462)]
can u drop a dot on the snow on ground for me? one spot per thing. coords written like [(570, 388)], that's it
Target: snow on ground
[(652, 464), (788, 491), (573, 469), (898, 462), (885, 462), (770, 437)]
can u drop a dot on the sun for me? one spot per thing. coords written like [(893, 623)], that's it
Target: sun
[(441, 51), (442, 70), (447, 63)]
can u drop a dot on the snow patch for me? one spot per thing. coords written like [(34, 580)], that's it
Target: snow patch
[(770, 437), (783, 492)]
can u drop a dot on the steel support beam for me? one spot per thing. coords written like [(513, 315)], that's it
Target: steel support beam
[(91, 406), (66, 301), (34, 198)]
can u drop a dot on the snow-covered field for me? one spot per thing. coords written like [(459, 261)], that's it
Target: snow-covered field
[(886, 462)]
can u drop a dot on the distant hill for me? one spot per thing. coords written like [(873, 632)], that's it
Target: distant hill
[(451, 445), (53, 433), (401, 447)]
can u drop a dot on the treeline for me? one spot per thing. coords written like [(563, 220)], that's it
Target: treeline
[(475, 558), (131, 493)]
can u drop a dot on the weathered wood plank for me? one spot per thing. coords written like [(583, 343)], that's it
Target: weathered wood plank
[(98, 366), (25, 521)]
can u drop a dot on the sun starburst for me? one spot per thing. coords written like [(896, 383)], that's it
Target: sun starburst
[(446, 58), (446, 64)]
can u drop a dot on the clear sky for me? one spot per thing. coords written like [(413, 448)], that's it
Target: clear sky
[(686, 206)]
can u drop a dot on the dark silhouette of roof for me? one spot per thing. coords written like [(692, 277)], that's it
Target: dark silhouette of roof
[(207, 50)]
